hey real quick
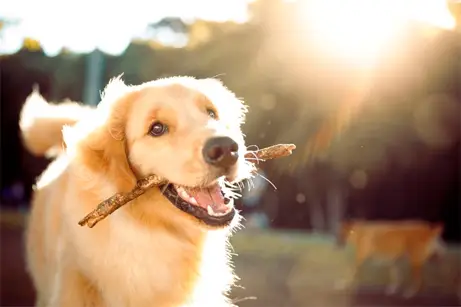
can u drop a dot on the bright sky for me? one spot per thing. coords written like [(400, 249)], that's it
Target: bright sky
[(355, 27), (82, 25)]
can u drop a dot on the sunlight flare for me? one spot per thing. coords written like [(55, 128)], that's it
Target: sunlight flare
[(358, 30)]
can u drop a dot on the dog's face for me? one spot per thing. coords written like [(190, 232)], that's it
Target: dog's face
[(187, 132), (184, 130)]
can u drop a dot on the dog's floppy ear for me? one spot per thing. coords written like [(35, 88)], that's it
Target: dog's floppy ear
[(100, 143)]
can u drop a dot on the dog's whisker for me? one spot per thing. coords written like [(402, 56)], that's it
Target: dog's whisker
[(238, 300), (218, 75), (248, 184), (245, 183), (252, 159), (176, 199), (230, 190), (255, 157), (165, 187), (270, 182), (251, 184)]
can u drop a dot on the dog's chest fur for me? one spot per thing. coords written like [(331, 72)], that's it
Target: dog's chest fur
[(141, 267)]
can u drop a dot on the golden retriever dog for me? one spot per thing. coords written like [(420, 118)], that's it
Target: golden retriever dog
[(167, 248), (388, 241)]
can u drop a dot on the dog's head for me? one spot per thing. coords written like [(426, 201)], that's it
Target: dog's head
[(346, 233), (182, 129)]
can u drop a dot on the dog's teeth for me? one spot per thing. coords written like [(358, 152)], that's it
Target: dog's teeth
[(193, 201), (210, 210), (183, 193)]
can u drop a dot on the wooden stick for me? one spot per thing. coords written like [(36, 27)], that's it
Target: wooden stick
[(111, 204), (271, 152)]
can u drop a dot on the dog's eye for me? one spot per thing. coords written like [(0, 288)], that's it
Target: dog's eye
[(211, 113), (158, 129)]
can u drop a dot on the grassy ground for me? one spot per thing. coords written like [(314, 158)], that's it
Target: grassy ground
[(280, 269), (297, 269)]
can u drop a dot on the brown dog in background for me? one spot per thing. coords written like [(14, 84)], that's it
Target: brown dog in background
[(167, 248), (389, 241)]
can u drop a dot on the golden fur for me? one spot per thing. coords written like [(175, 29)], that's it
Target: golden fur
[(148, 253), (389, 241), (41, 123)]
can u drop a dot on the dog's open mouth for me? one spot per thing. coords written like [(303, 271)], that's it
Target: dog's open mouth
[(206, 204)]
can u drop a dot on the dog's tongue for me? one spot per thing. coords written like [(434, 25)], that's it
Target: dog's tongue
[(209, 197)]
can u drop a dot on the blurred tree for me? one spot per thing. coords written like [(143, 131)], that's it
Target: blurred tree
[(199, 32), (174, 23), (31, 44), (363, 128)]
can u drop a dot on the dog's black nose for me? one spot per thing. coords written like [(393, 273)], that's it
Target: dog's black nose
[(220, 151)]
